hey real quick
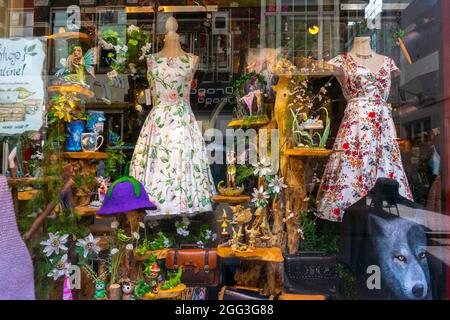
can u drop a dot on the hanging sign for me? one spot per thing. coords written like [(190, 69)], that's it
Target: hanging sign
[(21, 85)]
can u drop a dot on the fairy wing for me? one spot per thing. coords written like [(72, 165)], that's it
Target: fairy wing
[(61, 71), (90, 60)]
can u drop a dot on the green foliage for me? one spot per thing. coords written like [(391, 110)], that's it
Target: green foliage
[(347, 290), (116, 159), (324, 238), (243, 172), (174, 279), (142, 288)]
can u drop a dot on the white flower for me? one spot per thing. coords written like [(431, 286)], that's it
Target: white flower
[(132, 28), (89, 245), (260, 197), (214, 237), (54, 244), (114, 251), (200, 243), (136, 235), (60, 269), (129, 246), (112, 75), (277, 184), (106, 45), (120, 60), (115, 224), (63, 62), (208, 234), (183, 231), (142, 225), (262, 168), (166, 242)]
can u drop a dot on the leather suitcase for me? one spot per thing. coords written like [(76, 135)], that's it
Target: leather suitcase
[(200, 266)]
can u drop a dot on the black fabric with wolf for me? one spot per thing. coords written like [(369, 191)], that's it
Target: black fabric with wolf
[(384, 250)]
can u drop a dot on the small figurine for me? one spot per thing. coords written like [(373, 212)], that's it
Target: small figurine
[(235, 239), (241, 215), (231, 170), (224, 225), (100, 290), (128, 287), (252, 234), (74, 67), (103, 188)]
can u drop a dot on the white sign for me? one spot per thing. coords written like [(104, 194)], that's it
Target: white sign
[(21, 85), (372, 14), (73, 22)]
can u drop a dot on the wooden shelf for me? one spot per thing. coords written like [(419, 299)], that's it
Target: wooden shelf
[(161, 254), (259, 254), (292, 296), (86, 211), (166, 294), (72, 89), (27, 195), (70, 35), (231, 200), (308, 152), (86, 155), (250, 124)]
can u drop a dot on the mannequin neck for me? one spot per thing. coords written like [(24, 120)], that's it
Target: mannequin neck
[(362, 47), (172, 46)]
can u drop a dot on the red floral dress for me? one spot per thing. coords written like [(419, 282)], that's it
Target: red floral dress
[(366, 137)]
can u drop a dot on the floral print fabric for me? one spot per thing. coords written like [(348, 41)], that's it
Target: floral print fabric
[(170, 157), (366, 141)]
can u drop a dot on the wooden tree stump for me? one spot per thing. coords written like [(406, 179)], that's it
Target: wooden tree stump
[(291, 168)]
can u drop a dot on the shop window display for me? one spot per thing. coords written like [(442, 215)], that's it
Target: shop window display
[(232, 150)]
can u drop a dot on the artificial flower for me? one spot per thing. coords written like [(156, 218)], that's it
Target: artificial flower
[(89, 245), (142, 225), (112, 75), (60, 269), (132, 28), (277, 184), (114, 251), (262, 168), (129, 246), (55, 243), (260, 197), (115, 224), (136, 235)]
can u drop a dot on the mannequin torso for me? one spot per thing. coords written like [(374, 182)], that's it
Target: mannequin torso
[(363, 54), (172, 47)]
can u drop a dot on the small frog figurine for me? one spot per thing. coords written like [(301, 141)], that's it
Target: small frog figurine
[(100, 290)]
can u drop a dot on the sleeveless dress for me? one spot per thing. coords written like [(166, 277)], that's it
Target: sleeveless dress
[(170, 157), (366, 139)]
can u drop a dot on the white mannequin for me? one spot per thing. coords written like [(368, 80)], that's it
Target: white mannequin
[(362, 52), (172, 47)]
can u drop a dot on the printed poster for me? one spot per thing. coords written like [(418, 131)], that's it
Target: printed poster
[(21, 85)]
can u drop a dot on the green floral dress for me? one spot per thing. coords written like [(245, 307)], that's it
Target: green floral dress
[(170, 157)]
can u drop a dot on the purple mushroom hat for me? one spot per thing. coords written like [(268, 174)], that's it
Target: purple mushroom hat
[(125, 194)]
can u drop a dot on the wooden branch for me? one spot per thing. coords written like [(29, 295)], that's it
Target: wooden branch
[(65, 194)]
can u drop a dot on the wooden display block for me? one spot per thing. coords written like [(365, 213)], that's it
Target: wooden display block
[(27, 195), (166, 294), (86, 211), (161, 254), (231, 200), (72, 89), (291, 296), (250, 124), (258, 254), (70, 35), (86, 155), (308, 152)]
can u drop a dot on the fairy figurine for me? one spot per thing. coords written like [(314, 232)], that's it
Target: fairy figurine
[(74, 67)]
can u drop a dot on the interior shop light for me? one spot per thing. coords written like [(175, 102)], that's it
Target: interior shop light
[(314, 29), (172, 9)]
